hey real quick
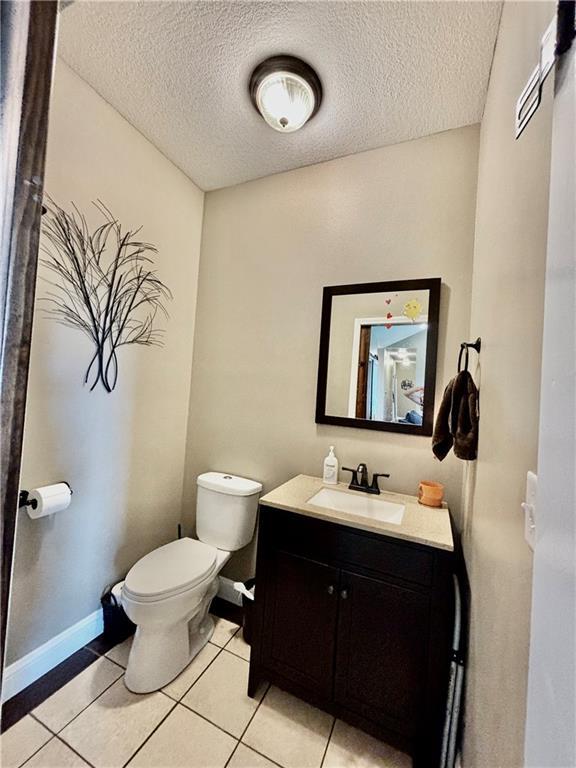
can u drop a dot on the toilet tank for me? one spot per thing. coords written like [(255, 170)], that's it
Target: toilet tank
[(226, 509)]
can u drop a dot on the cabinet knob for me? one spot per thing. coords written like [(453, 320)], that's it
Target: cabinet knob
[(344, 594), (330, 590)]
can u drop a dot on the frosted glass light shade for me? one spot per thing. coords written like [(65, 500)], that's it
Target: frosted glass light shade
[(285, 101), (286, 92)]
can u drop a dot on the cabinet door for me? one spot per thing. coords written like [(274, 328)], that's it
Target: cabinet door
[(382, 650), (300, 622)]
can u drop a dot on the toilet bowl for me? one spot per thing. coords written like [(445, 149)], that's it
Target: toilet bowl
[(167, 593)]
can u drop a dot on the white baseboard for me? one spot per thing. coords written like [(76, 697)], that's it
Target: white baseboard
[(29, 668), (227, 592)]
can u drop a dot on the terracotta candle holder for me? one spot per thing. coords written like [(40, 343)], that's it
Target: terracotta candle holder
[(430, 493)]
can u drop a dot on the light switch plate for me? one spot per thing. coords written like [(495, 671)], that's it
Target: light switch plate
[(529, 507)]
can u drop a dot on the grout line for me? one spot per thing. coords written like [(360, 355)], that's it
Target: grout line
[(35, 717), (231, 653), (267, 757), (328, 742), (74, 750), (153, 731), (220, 728), (122, 667), (225, 648), (254, 713), (174, 702), (231, 755), (248, 725), (228, 641), (46, 686), (237, 655), (28, 709), (91, 650), (179, 701), (210, 721), (58, 733), (20, 765), (194, 712), (248, 746), (170, 699), (52, 738)]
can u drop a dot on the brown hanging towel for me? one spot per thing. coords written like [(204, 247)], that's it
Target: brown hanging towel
[(457, 420)]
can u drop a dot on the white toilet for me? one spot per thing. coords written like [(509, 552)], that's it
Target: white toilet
[(168, 592)]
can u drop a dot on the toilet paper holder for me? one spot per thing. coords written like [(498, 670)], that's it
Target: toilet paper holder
[(25, 501)]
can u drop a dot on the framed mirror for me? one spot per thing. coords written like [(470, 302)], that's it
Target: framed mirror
[(377, 366)]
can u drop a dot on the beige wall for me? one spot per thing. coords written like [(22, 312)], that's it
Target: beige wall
[(123, 453), (507, 310), (268, 248)]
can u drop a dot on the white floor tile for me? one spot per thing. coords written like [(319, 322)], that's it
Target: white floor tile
[(239, 646), (224, 630), (56, 755), (351, 748), (220, 694), (289, 731), (65, 704), (112, 728), (178, 687), (185, 740), (18, 743), (121, 652), (244, 757)]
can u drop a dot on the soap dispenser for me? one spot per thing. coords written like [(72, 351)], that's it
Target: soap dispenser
[(330, 476)]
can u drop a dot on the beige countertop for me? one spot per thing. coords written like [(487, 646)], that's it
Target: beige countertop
[(423, 525)]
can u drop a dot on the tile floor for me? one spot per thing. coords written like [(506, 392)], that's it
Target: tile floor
[(203, 719)]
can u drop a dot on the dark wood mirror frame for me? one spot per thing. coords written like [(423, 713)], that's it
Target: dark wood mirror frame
[(430, 284)]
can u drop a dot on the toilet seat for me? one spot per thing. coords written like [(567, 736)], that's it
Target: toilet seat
[(170, 570)]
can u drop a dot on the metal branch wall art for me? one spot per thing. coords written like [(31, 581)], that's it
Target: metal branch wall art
[(105, 286)]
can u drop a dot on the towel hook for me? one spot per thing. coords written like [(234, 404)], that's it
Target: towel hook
[(464, 347)]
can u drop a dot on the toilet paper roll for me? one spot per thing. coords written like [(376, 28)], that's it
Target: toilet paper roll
[(117, 591), (49, 499)]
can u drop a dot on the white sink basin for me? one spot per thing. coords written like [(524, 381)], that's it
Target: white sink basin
[(358, 503)]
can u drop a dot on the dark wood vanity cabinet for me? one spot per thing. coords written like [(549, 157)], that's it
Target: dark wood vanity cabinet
[(358, 624)]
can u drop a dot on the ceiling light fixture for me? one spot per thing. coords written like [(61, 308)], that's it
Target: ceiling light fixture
[(286, 92)]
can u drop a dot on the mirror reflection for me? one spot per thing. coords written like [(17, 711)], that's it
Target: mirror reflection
[(378, 368)]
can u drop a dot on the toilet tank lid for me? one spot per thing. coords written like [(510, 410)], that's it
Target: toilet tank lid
[(230, 484)]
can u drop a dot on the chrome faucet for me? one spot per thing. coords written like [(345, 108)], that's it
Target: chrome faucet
[(359, 481)]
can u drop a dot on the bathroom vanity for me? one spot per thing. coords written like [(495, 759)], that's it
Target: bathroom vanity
[(354, 609)]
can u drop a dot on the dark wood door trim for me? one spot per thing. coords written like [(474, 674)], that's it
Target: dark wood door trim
[(363, 365), (28, 43)]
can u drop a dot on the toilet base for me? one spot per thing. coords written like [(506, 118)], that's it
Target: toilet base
[(160, 653)]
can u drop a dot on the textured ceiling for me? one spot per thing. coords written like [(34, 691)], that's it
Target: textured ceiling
[(178, 71)]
